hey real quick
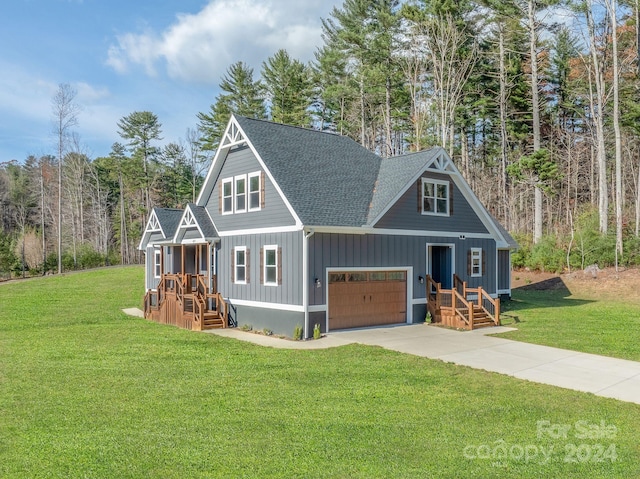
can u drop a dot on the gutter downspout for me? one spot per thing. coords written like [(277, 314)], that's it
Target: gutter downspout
[(305, 274)]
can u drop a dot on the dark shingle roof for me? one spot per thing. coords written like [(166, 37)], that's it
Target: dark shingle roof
[(169, 219), (328, 179), (395, 173), (204, 221)]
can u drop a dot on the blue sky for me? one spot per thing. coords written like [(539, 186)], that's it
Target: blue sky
[(164, 56)]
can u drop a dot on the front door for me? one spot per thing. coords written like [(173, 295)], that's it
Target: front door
[(440, 267)]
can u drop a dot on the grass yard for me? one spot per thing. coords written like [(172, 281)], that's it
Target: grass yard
[(87, 392), (576, 314)]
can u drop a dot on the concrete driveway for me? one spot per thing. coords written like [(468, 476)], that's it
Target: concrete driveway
[(600, 375)]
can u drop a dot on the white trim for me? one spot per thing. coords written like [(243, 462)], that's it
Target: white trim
[(187, 221), (270, 247), (435, 183), (236, 250), (223, 182), (409, 282), (444, 165), (259, 304), (419, 300), (318, 308), (440, 158), (255, 174), (239, 137), (367, 230), (257, 231), (153, 226)]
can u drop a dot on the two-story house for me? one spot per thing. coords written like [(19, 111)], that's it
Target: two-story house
[(299, 227)]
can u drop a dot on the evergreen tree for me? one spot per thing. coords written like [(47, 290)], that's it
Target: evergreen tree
[(288, 86), (241, 95)]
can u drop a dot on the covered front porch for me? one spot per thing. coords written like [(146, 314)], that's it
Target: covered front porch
[(181, 285), (461, 307), (186, 301)]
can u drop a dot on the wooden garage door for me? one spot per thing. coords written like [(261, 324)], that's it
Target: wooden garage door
[(367, 298)]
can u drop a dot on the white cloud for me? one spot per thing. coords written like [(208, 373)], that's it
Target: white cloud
[(200, 47)]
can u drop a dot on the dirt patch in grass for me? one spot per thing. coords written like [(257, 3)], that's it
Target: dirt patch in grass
[(623, 285)]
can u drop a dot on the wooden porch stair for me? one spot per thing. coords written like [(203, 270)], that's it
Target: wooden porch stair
[(185, 301), (455, 308)]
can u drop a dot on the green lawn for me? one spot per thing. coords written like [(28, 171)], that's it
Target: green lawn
[(87, 392), (558, 318)]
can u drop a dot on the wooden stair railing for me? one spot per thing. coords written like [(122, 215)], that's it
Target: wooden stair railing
[(483, 311)]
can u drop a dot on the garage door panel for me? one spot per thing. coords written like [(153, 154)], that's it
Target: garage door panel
[(359, 299)]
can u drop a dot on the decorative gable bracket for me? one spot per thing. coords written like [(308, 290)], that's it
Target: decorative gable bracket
[(233, 136), (442, 163)]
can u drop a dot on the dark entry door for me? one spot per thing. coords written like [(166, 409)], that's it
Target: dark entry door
[(441, 266)]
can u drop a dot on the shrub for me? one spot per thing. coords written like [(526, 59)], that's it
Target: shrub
[(316, 331), (297, 332)]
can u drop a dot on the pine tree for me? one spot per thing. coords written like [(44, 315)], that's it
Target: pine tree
[(241, 95)]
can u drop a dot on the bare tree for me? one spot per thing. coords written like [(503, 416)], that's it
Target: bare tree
[(65, 115), (451, 68)]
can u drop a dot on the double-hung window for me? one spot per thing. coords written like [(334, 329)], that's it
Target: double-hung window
[(270, 260), (241, 194), (435, 197), (476, 262), (227, 196), (240, 266), (254, 191), (156, 263)]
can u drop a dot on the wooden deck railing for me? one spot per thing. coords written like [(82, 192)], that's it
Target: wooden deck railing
[(191, 299), (457, 300)]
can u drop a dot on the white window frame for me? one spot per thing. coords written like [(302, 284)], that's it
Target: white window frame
[(476, 262), (236, 265), (236, 179), (435, 197), (227, 181), (273, 248), (157, 264), (258, 175)]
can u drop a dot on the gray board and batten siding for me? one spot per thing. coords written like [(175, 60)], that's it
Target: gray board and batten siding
[(242, 161), (504, 271), (333, 250), (406, 213), (288, 292)]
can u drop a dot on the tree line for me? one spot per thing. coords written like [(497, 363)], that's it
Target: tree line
[(536, 101)]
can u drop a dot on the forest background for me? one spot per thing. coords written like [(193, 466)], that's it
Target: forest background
[(537, 102)]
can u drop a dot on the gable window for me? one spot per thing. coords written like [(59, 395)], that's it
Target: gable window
[(270, 259), (227, 196), (255, 191), (435, 197), (157, 268), (239, 268), (475, 259), (241, 194)]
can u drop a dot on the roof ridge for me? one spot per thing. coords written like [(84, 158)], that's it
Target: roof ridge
[(303, 128)]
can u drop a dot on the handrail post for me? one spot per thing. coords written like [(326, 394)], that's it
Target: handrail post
[(497, 311)]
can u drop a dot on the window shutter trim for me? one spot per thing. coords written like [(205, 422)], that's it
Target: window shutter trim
[(247, 264), (469, 265), (262, 265), (419, 195), (262, 181), (451, 198), (280, 265), (220, 197)]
